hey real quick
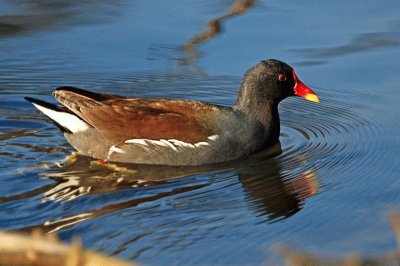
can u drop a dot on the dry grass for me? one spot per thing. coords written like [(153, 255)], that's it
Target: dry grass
[(46, 250), (295, 257)]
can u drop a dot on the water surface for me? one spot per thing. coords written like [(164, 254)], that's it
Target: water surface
[(329, 190)]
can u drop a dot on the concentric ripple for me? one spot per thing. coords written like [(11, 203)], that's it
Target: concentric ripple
[(326, 134)]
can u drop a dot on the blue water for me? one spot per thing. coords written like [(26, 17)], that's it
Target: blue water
[(330, 190)]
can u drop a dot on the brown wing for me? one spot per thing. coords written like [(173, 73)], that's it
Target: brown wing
[(120, 119)]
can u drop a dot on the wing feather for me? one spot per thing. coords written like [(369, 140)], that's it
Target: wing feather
[(120, 118)]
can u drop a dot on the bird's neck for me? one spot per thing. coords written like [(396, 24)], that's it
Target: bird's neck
[(265, 113)]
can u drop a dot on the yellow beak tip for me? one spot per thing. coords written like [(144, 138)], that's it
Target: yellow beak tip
[(312, 98)]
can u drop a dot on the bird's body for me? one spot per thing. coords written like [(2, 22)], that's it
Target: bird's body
[(173, 131)]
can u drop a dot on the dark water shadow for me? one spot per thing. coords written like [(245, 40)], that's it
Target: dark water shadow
[(29, 16), (361, 43), (268, 193), (214, 28)]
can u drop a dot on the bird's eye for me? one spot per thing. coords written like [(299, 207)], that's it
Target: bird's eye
[(282, 77)]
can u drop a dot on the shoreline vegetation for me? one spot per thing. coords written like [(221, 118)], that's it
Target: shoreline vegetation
[(45, 249)]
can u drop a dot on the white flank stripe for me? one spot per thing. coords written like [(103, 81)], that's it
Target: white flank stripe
[(213, 137), (181, 143), (169, 144), (115, 149), (137, 141), (69, 121), (158, 142), (198, 144), (174, 144)]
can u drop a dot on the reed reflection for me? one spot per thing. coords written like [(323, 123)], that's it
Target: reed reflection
[(214, 28)]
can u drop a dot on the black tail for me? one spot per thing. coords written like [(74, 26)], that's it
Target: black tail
[(47, 105)]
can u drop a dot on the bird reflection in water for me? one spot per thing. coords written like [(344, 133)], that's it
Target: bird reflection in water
[(269, 189)]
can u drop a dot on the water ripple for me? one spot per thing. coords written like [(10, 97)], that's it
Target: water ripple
[(184, 204)]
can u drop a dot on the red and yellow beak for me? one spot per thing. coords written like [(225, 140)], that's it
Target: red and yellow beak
[(302, 90)]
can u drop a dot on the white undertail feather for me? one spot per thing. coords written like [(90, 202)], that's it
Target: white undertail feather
[(67, 120)]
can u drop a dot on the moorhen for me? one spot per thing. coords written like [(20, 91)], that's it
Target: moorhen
[(173, 131)]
